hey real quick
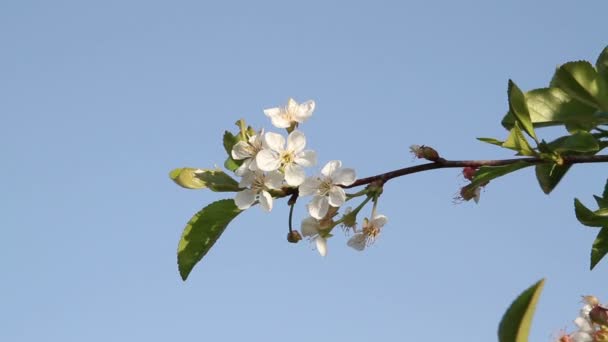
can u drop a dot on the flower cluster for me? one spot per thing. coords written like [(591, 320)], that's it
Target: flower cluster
[(592, 323), (272, 165)]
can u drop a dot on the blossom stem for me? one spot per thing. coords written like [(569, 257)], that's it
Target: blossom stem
[(292, 203), (443, 164)]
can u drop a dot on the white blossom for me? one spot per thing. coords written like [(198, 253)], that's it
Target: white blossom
[(369, 232), (257, 184), (247, 151), (311, 228), (293, 113), (291, 159), (326, 189)]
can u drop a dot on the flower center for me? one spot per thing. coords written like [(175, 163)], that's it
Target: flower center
[(287, 158)]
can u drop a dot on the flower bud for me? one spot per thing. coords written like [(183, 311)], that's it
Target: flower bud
[(469, 172), (599, 315), (294, 236), (424, 152)]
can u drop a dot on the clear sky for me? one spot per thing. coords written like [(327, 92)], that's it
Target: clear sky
[(99, 100)]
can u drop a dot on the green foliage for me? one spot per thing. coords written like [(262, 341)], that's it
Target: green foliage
[(598, 218), (487, 173), (214, 180), (549, 175), (519, 108), (517, 141), (602, 65), (600, 247), (516, 322), (229, 140), (202, 231), (581, 81)]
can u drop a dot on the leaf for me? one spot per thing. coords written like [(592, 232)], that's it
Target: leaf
[(600, 247), (580, 81), (519, 108), (214, 180), (549, 175), (598, 218), (601, 202), (577, 142), (605, 193), (516, 322), (602, 64), (202, 231), (517, 141), (487, 173), (491, 141), (229, 140)]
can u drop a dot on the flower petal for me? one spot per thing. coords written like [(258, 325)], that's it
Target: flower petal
[(296, 141), (330, 167), (274, 141), (265, 200), (337, 196), (270, 112), (248, 178), (244, 168), (309, 226), (304, 111), (344, 177), (321, 245), (292, 106), (357, 242), (318, 207), (306, 158), (241, 150), (294, 174), (309, 186), (273, 180), (267, 160), (379, 221), (244, 199)]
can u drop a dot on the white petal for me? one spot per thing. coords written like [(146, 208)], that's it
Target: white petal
[(274, 141), (583, 324), (270, 112), (318, 207), (330, 167), (296, 141), (357, 242), (280, 121), (321, 245), (248, 178), (294, 174), (273, 180), (344, 177), (581, 337), (477, 194), (306, 158), (337, 196), (267, 160), (379, 221), (265, 200), (305, 111), (309, 226), (244, 199), (241, 150), (244, 168), (292, 105), (309, 186)]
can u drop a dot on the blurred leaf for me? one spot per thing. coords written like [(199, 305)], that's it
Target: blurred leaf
[(577, 142), (202, 231), (487, 173), (580, 80), (517, 141), (516, 322), (549, 175), (601, 202), (598, 218), (600, 247), (602, 64), (605, 193), (491, 141), (519, 108), (215, 180)]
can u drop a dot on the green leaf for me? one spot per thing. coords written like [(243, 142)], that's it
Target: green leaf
[(601, 202), (549, 175), (577, 142), (600, 247), (487, 173), (214, 180), (516, 322), (491, 141), (602, 64), (598, 218), (202, 231), (605, 193), (517, 141), (229, 140), (580, 80), (519, 108), (553, 106)]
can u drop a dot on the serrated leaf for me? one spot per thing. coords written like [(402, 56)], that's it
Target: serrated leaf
[(600, 247), (185, 177), (202, 231), (491, 141), (214, 180), (517, 141), (487, 173), (553, 106), (598, 218), (580, 80), (519, 108), (516, 322), (549, 175)]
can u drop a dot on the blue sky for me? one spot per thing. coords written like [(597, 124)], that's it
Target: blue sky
[(100, 100)]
